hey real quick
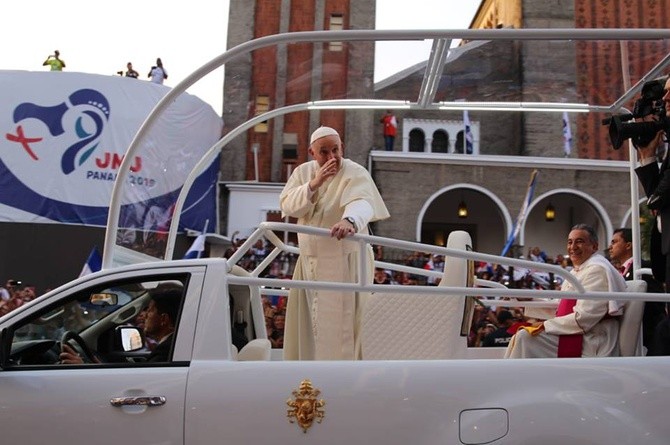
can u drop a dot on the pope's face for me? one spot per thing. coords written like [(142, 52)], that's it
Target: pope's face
[(325, 149), (580, 246)]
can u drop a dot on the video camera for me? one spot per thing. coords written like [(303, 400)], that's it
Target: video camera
[(649, 103)]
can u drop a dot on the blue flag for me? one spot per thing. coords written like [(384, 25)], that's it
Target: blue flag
[(196, 249), (93, 263), (522, 213)]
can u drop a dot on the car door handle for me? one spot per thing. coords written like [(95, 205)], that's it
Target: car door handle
[(138, 401)]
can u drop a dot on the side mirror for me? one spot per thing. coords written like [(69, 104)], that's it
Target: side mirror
[(130, 338), (104, 299)]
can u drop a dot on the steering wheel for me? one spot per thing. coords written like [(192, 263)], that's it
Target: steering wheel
[(71, 335)]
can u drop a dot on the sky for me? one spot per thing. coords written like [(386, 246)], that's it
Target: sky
[(391, 57), (101, 37)]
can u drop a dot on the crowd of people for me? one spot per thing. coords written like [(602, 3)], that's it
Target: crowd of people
[(274, 310), (15, 294)]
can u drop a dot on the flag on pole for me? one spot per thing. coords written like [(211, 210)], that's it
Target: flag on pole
[(567, 135), (522, 213), (197, 248), (468, 140), (93, 263)]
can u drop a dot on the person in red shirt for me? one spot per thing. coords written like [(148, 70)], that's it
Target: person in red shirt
[(390, 127)]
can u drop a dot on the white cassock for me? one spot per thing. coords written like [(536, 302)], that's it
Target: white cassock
[(600, 334), (323, 325)]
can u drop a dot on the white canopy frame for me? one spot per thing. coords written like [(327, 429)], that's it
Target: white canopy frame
[(441, 38)]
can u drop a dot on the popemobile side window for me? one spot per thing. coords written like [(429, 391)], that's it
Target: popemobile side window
[(128, 322)]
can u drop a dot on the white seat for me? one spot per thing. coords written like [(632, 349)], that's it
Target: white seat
[(258, 349), (419, 327), (630, 325)]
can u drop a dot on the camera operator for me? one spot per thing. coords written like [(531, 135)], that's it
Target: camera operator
[(54, 61), (656, 183)]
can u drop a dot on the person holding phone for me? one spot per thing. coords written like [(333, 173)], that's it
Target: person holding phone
[(158, 73), (54, 62)]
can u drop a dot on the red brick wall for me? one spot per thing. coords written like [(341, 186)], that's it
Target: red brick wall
[(335, 68), (264, 83), (599, 78), (299, 77)]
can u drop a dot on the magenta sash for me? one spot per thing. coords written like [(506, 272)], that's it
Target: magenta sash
[(568, 345)]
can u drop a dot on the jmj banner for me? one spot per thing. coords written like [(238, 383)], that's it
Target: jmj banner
[(63, 137)]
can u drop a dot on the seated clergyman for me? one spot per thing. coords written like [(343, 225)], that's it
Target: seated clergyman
[(581, 328)]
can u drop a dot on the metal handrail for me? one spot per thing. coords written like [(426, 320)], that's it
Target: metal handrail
[(447, 291), (265, 230)]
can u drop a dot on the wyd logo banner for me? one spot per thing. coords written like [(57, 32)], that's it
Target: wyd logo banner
[(64, 136), (52, 117)]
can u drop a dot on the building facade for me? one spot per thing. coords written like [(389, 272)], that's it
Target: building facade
[(423, 188), (285, 75)]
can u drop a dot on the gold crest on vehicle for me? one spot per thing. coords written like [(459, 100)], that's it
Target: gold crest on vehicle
[(304, 407)]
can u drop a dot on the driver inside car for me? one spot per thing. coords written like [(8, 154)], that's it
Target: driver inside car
[(161, 317)]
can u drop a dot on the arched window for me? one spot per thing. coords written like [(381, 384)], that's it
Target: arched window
[(440, 142), (417, 140), (458, 147)]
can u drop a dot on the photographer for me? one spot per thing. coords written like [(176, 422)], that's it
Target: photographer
[(131, 72), (656, 183), (158, 73), (54, 62)]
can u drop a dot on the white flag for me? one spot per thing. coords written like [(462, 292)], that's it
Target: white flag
[(567, 135), (197, 248), (468, 139)]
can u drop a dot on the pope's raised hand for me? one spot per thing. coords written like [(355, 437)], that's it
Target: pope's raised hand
[(327, 170)]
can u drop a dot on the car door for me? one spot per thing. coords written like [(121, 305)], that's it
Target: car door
[(73, 405), (103, 403)]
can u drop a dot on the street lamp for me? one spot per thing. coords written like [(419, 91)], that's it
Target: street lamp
[(462, 210), (549, 213)]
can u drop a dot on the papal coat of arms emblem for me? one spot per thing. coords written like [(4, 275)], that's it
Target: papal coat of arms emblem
[(304, 407)]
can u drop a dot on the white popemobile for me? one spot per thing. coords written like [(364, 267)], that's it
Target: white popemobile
[(418, 382), (221, 382)]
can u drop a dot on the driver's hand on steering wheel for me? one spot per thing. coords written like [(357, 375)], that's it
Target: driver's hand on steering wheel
[(69, 356)]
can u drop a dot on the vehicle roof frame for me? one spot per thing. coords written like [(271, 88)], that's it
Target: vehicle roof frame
[(427, 94)]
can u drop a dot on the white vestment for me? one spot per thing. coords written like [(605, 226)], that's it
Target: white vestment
[(600, 333), (323, 325)]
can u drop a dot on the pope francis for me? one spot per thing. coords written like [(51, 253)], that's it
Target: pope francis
[(338, 194)]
